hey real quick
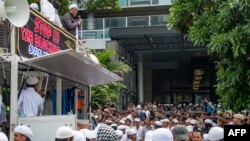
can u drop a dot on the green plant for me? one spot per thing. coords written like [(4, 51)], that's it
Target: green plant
[(31, 1), (97, 6), (111, 90), (64, 7), (223, 27)]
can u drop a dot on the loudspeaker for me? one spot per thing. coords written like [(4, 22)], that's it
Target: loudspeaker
[(16, 11)]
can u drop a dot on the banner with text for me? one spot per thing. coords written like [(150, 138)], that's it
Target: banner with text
[(40, 37)]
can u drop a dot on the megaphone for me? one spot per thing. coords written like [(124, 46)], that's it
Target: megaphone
[(16, 11)]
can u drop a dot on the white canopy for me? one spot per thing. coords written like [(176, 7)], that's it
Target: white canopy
[(74, 66)]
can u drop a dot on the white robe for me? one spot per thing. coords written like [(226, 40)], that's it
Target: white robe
[(47, 10)]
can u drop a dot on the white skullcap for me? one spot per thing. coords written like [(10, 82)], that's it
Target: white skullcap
[(138, 107), (73, 6), (137, 120), (119, 133), (175, 121), (190, 128), (22, 129), (239, 116), (149, 136), (158, 123), (121, 127), (193, 121), (32, 80), (113, 125), (162, 134), (34, 6), (89, 133), (215, 134), (122, 121), (3, 137), (131, 132), (108, 121), (129, 117), (64, 132), (214, 125), (79, 136), (209, 121), (165, 120), (188, 120)]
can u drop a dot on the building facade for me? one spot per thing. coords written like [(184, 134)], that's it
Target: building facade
[(166, 66)]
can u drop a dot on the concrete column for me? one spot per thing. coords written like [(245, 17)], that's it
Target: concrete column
[(140, 78)]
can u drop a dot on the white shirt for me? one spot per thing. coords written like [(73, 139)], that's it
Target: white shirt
[(30, 103), (139, 133), (147, 113), (58, 21), (3, 117), (47, 10), (124, 138)]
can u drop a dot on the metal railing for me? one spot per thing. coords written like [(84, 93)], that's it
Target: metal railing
[(102, 25), (139, 3), (130, 3)]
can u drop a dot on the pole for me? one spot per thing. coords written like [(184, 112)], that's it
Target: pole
[(14, 85), (58, 96), (90, 103), (76, 101)]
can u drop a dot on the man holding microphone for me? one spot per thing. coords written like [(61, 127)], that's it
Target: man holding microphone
[(70, 21)]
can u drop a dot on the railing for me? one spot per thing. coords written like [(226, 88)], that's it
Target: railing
[(101, 26), (131, 3), (138, 3)]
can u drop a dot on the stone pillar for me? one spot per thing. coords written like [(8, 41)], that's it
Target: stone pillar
[(140, 78)]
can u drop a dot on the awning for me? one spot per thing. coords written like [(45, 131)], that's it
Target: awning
[(74, 66)]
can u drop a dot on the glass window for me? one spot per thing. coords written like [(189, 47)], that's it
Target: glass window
[(123, 3), (138, 21), (159, 20), (98, 24), (140, 2), (115, 22)]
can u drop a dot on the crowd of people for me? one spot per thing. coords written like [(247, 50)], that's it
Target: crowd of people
[(167, 122), (148, 122)]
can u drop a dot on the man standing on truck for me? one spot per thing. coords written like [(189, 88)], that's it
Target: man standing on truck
[(30, 103), (47, 10), (70, 21)]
